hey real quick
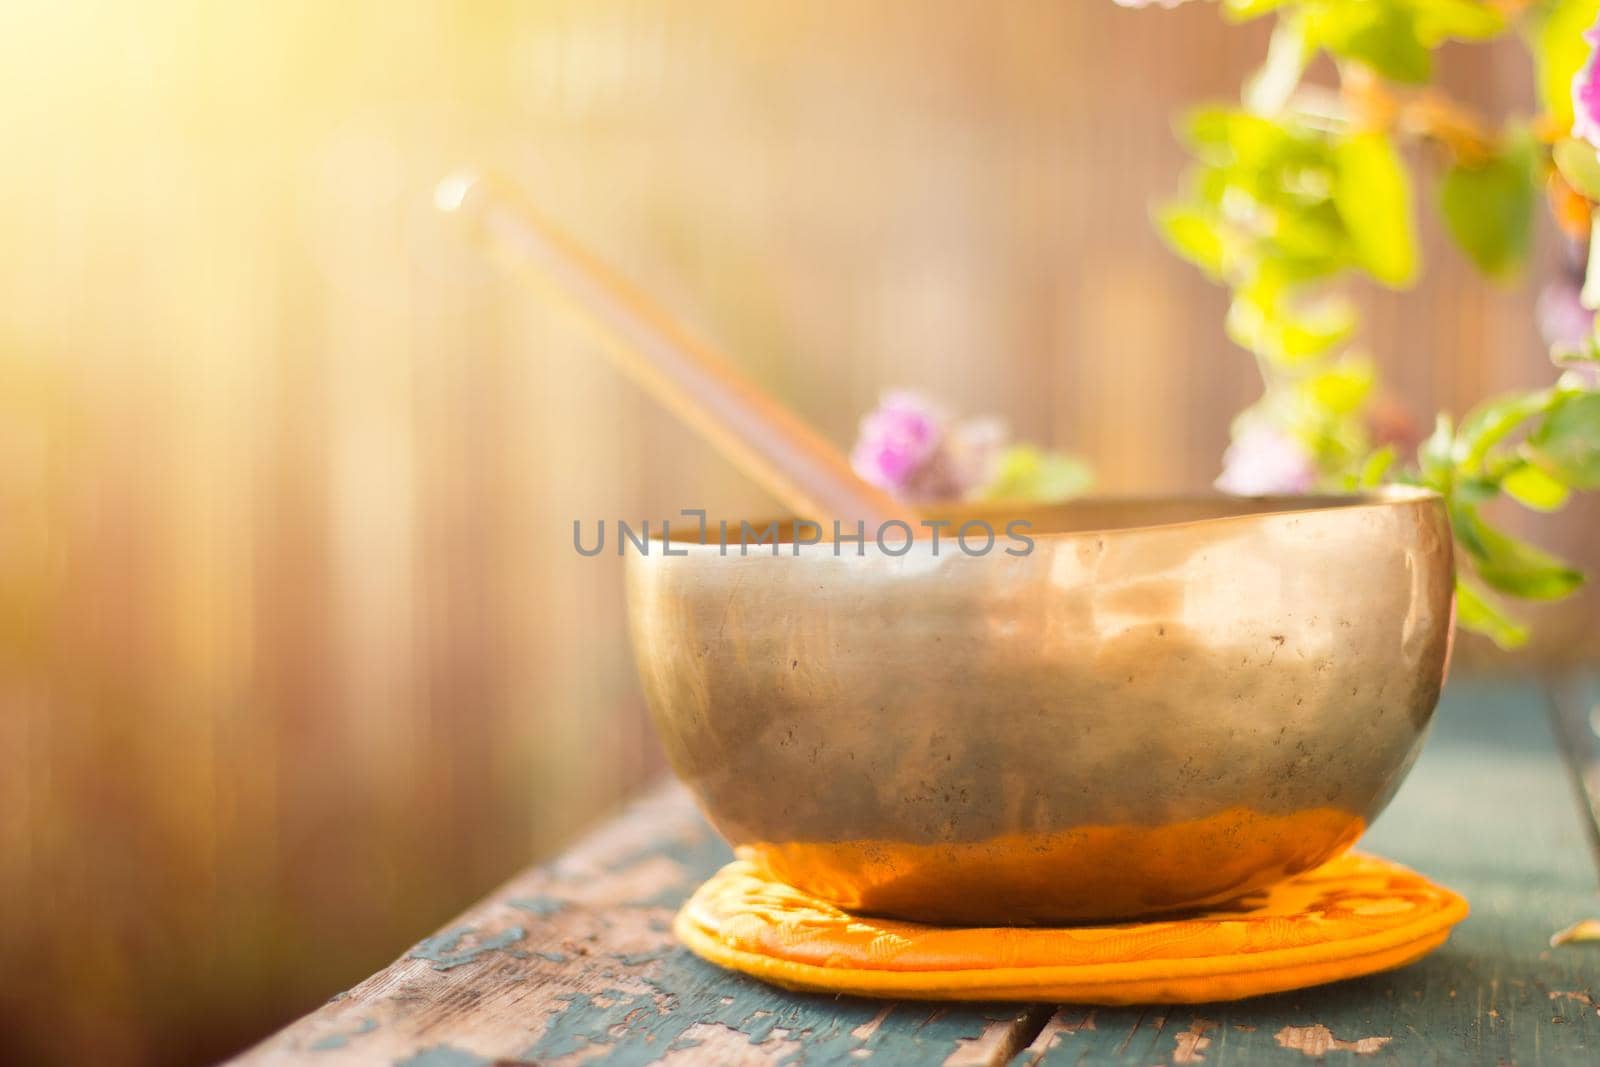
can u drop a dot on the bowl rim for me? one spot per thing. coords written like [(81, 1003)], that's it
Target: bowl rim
[(1276, 505)]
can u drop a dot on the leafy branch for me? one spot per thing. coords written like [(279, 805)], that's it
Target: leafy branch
[(1301, 187)]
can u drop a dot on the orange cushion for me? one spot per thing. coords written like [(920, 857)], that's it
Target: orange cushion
[(1352, 916)]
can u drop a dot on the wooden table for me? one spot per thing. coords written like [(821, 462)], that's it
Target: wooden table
[(573, 962)]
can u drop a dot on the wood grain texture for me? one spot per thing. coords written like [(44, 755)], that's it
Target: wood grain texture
[(1489, 811), (574, 963)]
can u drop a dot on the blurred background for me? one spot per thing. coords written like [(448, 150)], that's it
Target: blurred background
[(296, 659)]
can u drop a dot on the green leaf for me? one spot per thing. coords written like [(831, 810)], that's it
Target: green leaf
[(1493, 421), (1567, 443), (1475, 611), (1194, 235), (1028, 473), (1341, 388), (1530, 574), (1266, 324), (1509, 565), (1434, 454), (1560, 52), (1230, 137), (1316, 329), (1488, 208), (1373, 197), (1242, 10), (1208, 132), (1306, 242), (1532, 487), (1579, 165), (1395, 37), (1374, 467), (1383, 34), (1475, 489), (1465, 20)]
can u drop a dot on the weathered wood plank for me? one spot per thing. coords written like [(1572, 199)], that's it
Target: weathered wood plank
[(574, 962), (1575, 711), (1488, 810)]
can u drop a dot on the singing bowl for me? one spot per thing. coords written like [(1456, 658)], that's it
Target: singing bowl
[(1166, 704)]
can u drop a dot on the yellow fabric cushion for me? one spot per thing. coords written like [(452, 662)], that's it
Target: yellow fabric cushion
[(1354, 915)]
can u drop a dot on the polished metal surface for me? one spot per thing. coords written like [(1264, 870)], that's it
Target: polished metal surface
[(1166, 704)]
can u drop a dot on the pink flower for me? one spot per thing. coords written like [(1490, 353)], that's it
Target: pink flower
[(897, 440), (1568, 328), (912, 448), (1564, 322), (1586, 94), (1582, 376), (1264, 461)]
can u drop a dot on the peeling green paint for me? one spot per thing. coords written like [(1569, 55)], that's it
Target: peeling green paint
[(442, 952), (701, 852), (444, 1056), (340, 1040), (553, 957), (542, 905), (616, 1028)]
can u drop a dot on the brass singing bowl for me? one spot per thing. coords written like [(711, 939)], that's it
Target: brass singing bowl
[(1164, 705)]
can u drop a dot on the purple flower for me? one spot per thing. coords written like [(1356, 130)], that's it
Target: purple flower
[(1263, 461), (912, 448), (1586, 94)]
